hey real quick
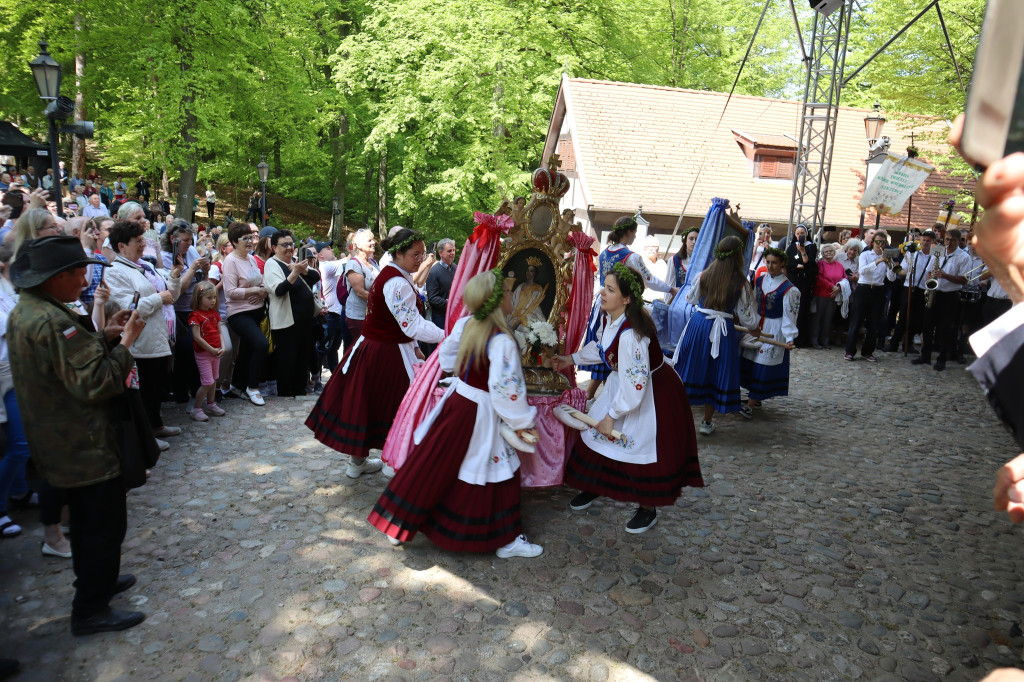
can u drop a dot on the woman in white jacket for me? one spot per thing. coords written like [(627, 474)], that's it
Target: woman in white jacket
[(127, 277)]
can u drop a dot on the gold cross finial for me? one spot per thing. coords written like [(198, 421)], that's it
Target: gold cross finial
[(554, 162)]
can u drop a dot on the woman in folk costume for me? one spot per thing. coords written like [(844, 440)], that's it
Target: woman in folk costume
[(622, 235), (707, 356), (360, 401), (680, 262), (643, 400), (764, 371), (460, 486)]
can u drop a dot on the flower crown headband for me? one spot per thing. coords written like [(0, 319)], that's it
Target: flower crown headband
[(688, 231), (494, 301), (631, 279), (405, 243), (778, 253), (723, 255)]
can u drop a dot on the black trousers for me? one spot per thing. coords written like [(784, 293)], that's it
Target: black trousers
[(252, 348), (916, 319), (152, 384), (293, 350), (865, 307), (99, 521), (335, 333), (185, 374), (942, 320), (209, 209)]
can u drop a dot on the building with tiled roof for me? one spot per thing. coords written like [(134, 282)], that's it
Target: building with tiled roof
[(625, 145)]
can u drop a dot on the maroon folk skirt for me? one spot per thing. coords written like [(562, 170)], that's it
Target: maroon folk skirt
[(356, 409), (656, 484), (427, 496)]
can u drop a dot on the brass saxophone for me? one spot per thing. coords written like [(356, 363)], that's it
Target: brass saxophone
[(932, 285)]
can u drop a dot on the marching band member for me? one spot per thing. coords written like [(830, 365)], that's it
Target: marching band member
[(644, 400), (707, 356), (622, 235), (869, 297), (950, 267), (460, 486), (916, 266), (359, 403), (764, 371)]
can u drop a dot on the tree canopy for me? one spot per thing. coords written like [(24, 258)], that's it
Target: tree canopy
[(418, 112)]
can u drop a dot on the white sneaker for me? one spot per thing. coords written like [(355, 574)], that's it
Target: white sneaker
[(254, 396), (388, 471), (163, 445), (707, 428), (394, 541), (368, 466), (519, 547), (168, 431)]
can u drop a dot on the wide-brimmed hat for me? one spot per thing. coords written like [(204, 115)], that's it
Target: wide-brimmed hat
[(40, 259)]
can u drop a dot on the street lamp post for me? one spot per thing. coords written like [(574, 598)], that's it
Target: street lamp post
[(48, 74), (878, 147), (264, 170)]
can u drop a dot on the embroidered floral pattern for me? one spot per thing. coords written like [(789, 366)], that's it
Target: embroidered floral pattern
[(625, 443), (404, 314), (511, 385), (637, 373)]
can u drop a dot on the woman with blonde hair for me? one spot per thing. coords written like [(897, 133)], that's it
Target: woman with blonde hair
[(32, 224), (707, 357), (460, 486)]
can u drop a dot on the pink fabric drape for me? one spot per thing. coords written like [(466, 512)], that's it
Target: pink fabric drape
[(480, 253), (582, 299)]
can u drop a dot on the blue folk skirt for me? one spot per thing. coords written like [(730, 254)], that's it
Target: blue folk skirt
[(708, 380), (765, 381)]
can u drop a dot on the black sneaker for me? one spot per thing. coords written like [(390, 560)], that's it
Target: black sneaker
[(642, 520), (921, 360), (940, 365), (582, 501)]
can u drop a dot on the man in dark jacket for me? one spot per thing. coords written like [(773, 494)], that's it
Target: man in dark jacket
[(439, 284), (67, 378)]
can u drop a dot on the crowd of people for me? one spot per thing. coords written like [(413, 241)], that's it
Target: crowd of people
[(108, 319)]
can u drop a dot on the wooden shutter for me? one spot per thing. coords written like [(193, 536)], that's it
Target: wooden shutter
[(769, 167)]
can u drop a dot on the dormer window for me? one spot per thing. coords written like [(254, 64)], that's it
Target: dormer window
[(772, 157)]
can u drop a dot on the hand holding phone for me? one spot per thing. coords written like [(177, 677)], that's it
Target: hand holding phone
[(135, 301)]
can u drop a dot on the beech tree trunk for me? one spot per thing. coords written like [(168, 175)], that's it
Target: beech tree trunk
[(382, 195), (78, 144)]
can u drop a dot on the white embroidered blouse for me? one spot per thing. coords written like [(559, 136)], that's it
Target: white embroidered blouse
[(626, 397)]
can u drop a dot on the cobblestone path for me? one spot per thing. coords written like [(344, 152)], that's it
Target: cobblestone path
[(846, 533)]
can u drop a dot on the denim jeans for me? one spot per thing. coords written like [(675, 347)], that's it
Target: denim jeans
[(335, 333), (12, 465)]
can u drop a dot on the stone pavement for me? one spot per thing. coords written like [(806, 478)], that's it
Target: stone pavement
[(846, 533)]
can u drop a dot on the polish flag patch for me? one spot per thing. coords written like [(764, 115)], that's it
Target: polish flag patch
[(70, 333)]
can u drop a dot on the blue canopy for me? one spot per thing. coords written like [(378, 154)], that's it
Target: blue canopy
[(671, 319)]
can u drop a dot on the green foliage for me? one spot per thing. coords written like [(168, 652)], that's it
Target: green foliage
[(454, 95)]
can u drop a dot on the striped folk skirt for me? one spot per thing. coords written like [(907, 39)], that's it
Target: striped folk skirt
[(656, 484), (427, 496), (765, 381), (356, 409)]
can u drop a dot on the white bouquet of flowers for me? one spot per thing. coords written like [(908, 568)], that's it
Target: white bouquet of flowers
[(539, 339)]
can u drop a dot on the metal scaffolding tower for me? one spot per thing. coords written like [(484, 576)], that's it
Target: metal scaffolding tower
[(819, 112)]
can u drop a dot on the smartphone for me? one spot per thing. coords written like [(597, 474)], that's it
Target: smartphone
[(135, 301), (994, 121)]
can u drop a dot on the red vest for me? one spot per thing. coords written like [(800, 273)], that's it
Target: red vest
[(380, 324)]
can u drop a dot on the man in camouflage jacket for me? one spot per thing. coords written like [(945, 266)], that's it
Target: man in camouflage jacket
[(66, 377)]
